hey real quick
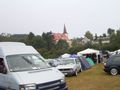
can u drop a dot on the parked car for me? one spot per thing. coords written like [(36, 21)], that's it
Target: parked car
[(112, 66), (23, 68), (53, 62), (70, 66)]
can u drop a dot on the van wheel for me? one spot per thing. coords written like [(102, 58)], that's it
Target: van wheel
[(113, 71)]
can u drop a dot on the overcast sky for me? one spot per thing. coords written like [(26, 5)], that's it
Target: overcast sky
[(79, 16)]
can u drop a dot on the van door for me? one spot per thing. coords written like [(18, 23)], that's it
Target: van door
[(7, 82)]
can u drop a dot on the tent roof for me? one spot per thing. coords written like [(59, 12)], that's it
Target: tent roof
[(88, 51)]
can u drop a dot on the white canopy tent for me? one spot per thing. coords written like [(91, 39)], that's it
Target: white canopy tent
[(89, 51), (117, 52)]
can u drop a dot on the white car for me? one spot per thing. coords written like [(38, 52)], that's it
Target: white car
[(70, 66), (53, 62)]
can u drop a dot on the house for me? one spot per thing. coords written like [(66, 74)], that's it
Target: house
[(85, 40), (103, 40)]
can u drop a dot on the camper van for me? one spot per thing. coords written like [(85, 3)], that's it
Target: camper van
[(23, 68)]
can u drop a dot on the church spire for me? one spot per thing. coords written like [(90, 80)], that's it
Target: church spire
[(65, 31)]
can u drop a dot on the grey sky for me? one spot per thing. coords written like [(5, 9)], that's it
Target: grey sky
[(38, 16)]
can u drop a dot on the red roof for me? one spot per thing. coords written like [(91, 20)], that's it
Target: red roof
[(60, 36)]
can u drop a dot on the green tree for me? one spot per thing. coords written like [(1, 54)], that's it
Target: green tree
[(110, 31), (89, 35), (104, 35), (49, 43), (29, 38), (38, 42), (76, 42), (75, 49), (118, 38), (88, 45), (62, 44), (114, 42), (96, 37)]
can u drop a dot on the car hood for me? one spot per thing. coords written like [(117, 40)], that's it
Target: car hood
[(68, 66), (38, 76)]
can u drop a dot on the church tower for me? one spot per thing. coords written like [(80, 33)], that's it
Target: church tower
[(65, 34), (65, 30)]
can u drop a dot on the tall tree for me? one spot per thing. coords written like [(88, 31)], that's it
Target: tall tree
[(100, 40), (110, 31), (31, 35), (47, 37), (29, 38), (89, 35), (96, 36)]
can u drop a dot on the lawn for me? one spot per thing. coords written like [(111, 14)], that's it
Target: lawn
[(94, 79)]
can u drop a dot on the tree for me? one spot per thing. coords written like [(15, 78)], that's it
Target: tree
[(96, 36), (118, 38), (89, 35), (118, 32), (104, 35), (29, 38), (76, 42), (62, 44), (100, 40), (110, 31), (88, 45), (47, 37), (38, 42), (114, 42)]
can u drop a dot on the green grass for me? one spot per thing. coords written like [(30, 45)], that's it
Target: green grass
[(94, 79)]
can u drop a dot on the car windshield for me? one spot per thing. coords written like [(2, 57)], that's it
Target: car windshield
[(26, 62), (67, 61)]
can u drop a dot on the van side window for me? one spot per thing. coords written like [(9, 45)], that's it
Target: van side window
[(2, 66)]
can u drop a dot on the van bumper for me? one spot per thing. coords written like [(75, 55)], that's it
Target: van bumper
[(55, 85), (65, 88)]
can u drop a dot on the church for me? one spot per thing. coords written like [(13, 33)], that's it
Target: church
[(61, 36)]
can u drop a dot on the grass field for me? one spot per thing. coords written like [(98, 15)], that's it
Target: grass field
[(94, 79)]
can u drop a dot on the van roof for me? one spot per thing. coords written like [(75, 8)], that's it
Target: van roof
[(15, 48), (11, 44)]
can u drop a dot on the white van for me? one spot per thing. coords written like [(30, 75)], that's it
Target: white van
[(23, 68)]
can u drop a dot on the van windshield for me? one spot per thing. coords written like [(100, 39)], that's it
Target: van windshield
[(26, 62)]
